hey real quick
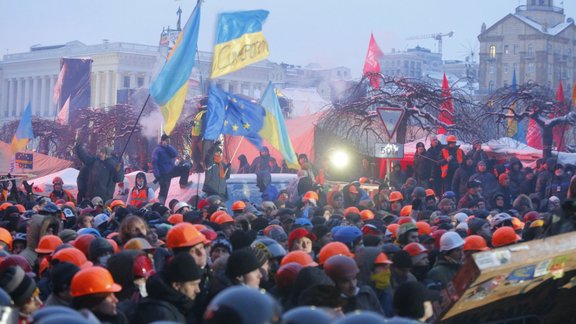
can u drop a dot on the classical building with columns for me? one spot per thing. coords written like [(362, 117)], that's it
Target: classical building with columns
[(120, 67)]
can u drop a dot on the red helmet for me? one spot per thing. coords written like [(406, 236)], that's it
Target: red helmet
[(143, 267), (57, 180), (415, 249)]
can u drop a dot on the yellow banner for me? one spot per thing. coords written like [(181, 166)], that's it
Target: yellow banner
[(238, 53)]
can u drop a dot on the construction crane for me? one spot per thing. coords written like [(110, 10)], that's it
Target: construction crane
[(436, 36)]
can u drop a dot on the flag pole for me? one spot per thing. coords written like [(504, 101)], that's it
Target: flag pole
[(134, 127), (237, 147)]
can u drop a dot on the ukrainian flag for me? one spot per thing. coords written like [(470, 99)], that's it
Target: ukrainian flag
[(239, 41), (24, 132), (171, 85), (274, 130)]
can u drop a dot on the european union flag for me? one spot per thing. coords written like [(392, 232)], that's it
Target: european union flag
[(233, 115)]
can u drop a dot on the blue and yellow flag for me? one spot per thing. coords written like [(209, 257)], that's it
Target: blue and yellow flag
[(274, 129), (171, 85), (233, 115), (24, 133), (239, 41)]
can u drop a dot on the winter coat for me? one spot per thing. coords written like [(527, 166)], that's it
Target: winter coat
[(515, 177), (421, 169), (102, 176), (443, 271), (543, 183), (163, 158), (460, 180), (434, 154), (489, 183), (477, 156), (528, 187), (559, 187), (365, 299), (365, 259), (214, 180), (37, 227), (163, 303)]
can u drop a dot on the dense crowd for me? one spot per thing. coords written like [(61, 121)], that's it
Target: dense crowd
[(311, 252)]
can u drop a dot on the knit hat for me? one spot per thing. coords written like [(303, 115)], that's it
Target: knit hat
[(67, 235), (276, 233), (241, 262), (17, 284), (61, 275), (221, 242), (182, 268)]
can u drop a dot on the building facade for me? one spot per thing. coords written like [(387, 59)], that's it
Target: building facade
[(538, 42), (413, 63), (119, 68)]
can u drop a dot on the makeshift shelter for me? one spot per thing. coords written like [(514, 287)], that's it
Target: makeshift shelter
[(43, 185)]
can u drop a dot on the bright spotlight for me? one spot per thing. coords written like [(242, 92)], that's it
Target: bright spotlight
[(340, 159)]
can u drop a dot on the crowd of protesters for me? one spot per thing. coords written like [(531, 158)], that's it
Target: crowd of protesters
[(308, 253)]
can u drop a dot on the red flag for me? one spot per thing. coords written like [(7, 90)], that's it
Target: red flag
[(64, 113), (533, 136), (372, 63), (446, 109), (558, 131)]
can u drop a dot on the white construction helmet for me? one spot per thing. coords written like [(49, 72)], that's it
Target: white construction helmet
[(450, 241)]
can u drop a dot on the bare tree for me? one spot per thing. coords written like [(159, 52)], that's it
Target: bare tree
[(355, 119), (530, 101)]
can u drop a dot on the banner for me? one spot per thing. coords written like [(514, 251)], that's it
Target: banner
[(73, 84)]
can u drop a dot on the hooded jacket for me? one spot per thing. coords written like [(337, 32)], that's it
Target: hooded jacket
[(489, 183), (141, 195), (461, 177), (37, 227), (443, 271), (365, 259), (215, 175), (515, 177), (163, 303)]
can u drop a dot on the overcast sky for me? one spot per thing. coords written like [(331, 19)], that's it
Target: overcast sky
[(327, 32)]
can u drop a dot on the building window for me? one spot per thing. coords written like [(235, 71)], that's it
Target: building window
[(491, 68), (126, 84), (515, 49), (140, 82), (492, 51), (530, 50), (506, 50), (505, 67), (530, 68), (491, 87)]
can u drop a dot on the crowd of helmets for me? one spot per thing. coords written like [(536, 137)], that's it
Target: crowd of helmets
[(337, 255)]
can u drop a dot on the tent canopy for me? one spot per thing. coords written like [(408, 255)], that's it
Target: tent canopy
[(42, 164)]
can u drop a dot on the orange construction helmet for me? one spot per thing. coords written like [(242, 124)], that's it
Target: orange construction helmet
[(451, 139), (216, 214), (504, 236), (475, 243), (114, 245), (423, 228), (43, 266), (6, 237), (70, 204), (82, 243), (48, 243), (363, 180), (351, 210), (175, 219), (395, 196), (415, 249), (366, 214), (5, 205), (430, 193), (238, 205), (138, 243), (116, 203), (223, 218), (300, 257), (517, 224), (93, 280), (310, 195), (72, 255), (393, 228), (184, 235), (331, 249), (406, 210), (21, 209), (382, 258)]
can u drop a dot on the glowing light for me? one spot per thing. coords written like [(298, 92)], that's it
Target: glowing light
[(340, 159)]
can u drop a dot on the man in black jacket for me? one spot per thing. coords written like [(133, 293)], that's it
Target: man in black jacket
[(100, 173), (171, 293)]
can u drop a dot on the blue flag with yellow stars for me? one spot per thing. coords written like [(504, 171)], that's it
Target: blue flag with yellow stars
[(233, 115)]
